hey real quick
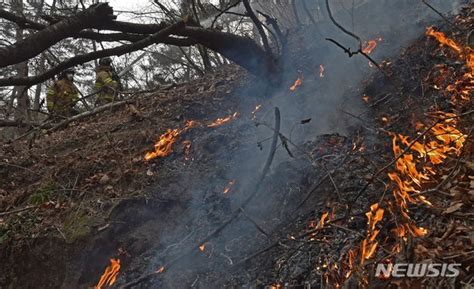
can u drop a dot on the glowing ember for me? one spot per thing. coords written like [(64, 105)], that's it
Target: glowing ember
[(229, 186), (365, 98), (110, 274), (160, 270), (369, 47), (255, 110), (221, 121), (298, 83), (202, 247), (441, 37), (384, 119), (321, 71)]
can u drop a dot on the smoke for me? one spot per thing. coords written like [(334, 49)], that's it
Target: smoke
[(232, 152)]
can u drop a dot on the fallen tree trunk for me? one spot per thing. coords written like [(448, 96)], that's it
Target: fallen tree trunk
[(89, 113), (241, 50), (37, 42)]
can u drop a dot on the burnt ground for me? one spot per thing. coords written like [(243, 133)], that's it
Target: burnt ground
[(89, 196)]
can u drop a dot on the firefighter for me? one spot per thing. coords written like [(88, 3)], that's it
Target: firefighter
[(62, 95), (106, 82)]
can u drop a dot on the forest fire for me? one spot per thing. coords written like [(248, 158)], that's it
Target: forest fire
[(298, 83), (110, 274), (415, 164)]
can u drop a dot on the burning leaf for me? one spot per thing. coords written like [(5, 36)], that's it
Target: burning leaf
[(298, 82), (110, 274)]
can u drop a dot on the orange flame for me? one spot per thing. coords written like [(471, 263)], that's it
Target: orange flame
[(110, 274), (441, 37), (298, 83), (164, 146), (221, 121), (160, 270), (229, 186), (202, 247), (322, 220), (321, 70), (365, 98)]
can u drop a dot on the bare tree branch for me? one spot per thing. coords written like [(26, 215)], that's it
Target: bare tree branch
[(258, 25), (36, 43), (155, 38)]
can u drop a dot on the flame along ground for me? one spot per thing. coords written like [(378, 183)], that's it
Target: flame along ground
[(415, 164), (164, 146), (110, 274)]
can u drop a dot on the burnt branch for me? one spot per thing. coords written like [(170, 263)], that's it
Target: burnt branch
[(258, 25), (359, 51), (342, 27), (22, 22)]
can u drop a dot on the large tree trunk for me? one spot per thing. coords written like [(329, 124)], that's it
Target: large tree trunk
[(21, 92), (242, 50)]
